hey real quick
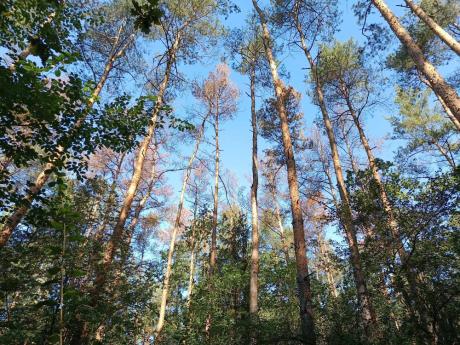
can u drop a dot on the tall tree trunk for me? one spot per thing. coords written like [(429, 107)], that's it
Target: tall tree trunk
[(117, 238), (435, 27), (284, 242), (139, 208), (411, 299), (254, 278), (368, 231), (213, 254), (279, 220), (177, 225), (303, 277), (348, 147), (192, 253), (327, 262), (110, 203), (368, 316), (117, 235), (23, 206), (445, 91)]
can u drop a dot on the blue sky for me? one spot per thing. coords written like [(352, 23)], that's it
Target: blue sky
[(236, 133)]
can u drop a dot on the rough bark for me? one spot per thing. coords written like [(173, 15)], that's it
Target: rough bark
[(445, 91), (303, 278), (23, 206), (368, 316), (117, 235), (177, 225), (419, 314), (254, 278), (435, 27)]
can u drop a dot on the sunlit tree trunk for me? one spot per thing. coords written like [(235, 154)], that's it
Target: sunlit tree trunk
[(445, 91), (435, 27), (303, 277), (177, 225), (368, 317), (193, 244), (23, 206), (412, 298), (110, 203), (139, 208), (254, 275), (213, 254), (118, 235)]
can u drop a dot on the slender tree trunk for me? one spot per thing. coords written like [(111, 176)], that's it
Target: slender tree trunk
[(327, 262), (23, 206), (177, 225), (254, 278), (435, 27), (368, 316), (213, 255), (118, 230), (100, 231), (192, 253), (303, 277), (284, 242), (445, 91), (61, 289), (118, 233), (411, 299), (279, 220), (139, 208), (353, 162)]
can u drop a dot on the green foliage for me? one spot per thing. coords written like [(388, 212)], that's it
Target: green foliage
[(444, 14), (422, 126), (146, 14)]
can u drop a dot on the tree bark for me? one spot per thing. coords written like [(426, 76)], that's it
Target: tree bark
[(303, 277), (435, 27), (213, 254), (118, 230), (412, 299), (254, 278), (284, 243), (445, 91), (368, 317), (192, 253), (177, 225), (23, 206)]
